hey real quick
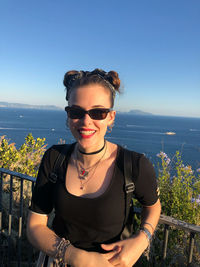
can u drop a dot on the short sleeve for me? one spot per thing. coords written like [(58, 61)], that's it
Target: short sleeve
[(42, 197), (146, 189)]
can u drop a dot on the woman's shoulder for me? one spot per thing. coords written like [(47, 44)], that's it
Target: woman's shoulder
[(135, 160), (61, 148), (55, 150), (129, 153)]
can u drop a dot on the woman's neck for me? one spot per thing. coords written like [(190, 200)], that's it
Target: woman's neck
[(89, 159), (93, 151)]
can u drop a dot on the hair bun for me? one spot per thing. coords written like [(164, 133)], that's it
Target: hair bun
[(70, 77), (113, 78)]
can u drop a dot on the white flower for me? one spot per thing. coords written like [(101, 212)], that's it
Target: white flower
[(162, 155)]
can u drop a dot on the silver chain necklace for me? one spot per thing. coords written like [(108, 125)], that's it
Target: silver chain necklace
[(83, 173)]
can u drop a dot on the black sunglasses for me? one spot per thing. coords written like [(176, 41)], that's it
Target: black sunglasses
[(79, 113)]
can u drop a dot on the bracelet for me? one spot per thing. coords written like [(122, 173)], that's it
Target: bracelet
[(149, 225), (60, 251), (147, 233)]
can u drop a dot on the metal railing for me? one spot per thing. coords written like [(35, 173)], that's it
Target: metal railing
[(6, 246), (191, 228)]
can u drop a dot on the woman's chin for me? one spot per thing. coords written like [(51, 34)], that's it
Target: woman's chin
[(85, 146), (88, 144)]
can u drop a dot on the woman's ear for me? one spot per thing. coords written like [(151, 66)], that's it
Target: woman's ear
[(111, 117)]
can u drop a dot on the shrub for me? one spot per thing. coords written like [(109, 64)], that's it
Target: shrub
[(180, 198), (26, 159), (179, 189)]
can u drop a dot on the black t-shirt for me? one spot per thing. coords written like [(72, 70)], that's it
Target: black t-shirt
[(89, 222)]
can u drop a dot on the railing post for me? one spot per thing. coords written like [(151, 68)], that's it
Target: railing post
[(10, 219), (166, 234), (1, 190), (30, 251), (191, 247), (20, 222)]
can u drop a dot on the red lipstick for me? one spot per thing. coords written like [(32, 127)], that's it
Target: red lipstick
[(86, 132)]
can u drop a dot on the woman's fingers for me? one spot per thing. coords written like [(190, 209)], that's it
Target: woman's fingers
[(115, 260), (112, 253), (108, 247), (109, 255)]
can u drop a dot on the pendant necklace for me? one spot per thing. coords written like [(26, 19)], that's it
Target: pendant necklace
[(83, 173)]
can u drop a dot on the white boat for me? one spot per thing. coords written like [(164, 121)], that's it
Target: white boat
[(170, 133)]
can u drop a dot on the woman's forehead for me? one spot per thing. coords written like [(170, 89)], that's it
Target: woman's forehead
[(94, 94)]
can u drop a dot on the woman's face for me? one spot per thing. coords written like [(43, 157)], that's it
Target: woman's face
[(88, 132)]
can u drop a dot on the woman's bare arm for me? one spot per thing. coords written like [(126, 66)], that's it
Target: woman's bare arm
[(44, 239), (40, 235), (150, 216)]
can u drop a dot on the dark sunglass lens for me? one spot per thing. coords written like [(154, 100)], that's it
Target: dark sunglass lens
[(76, 113), (98, 114)]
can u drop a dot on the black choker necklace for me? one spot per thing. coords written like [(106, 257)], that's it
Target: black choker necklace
[(95, 152)]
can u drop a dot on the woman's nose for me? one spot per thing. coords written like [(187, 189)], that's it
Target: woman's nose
[(86, 119)]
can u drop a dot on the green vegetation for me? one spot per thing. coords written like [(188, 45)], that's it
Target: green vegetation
[(179, 194), (179, 189), (26, 159)]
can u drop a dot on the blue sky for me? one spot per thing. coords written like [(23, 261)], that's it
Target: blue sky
[(153, 44)]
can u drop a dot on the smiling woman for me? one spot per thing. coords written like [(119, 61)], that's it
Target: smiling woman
[(91, 97), (89, 193)]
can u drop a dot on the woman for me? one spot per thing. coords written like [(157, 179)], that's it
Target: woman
[(89, 196)]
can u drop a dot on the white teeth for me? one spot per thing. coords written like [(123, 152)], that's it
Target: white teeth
[(87, 132)]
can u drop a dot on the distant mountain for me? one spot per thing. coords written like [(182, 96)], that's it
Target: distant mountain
[(26, 106), (137, 112)]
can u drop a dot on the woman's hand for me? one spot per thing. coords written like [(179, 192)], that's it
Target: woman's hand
[(125, 253), (81, 258)]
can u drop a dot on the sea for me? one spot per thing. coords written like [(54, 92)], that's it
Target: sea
[(144, 134)]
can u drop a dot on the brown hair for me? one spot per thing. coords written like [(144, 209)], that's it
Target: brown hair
[(109, 80)]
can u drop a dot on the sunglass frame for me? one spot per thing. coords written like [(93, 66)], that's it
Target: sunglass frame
[(82, 112)]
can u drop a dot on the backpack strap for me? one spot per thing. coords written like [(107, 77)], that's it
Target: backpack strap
[(131, 170), (129, 181), (53, 176)]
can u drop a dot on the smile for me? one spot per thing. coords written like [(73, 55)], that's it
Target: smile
[(86, 133)]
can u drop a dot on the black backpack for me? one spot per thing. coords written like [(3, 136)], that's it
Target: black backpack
[(130, 170)]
